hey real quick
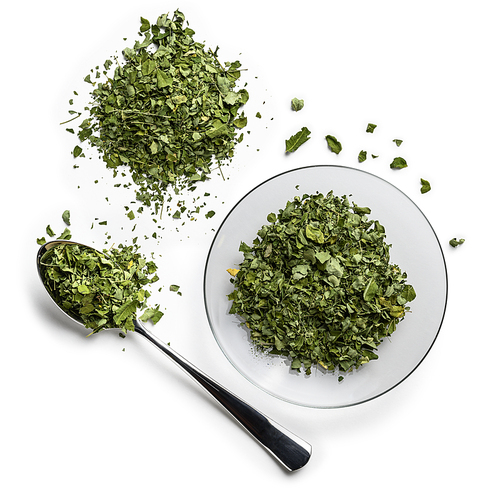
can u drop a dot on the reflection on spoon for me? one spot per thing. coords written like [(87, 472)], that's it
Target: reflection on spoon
[(291, 451)]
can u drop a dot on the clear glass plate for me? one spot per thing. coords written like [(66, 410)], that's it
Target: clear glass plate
[(415, 248)]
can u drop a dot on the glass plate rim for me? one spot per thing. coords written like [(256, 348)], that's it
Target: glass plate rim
[(212, 328)]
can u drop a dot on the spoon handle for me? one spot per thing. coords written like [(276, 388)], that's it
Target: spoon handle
[(290, 450)]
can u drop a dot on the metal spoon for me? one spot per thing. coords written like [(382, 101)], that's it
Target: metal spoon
[(291, 451)]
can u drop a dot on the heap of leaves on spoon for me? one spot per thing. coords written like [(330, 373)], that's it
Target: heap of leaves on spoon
[(104, 290)]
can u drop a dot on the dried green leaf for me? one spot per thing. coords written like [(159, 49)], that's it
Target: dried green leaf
[(163, 80), (77, 151), (152, 314), (65, 235), (218, 129), (398, 163), (333, 144), (240, 122), (425, 186), (66, 217), (148, 66), (297, 104), (297, 140), (145, 25), (125, 311), (454, 242), (371, 290)]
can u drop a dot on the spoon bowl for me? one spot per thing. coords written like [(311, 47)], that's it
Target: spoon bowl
[(290, 450), (42, 252)]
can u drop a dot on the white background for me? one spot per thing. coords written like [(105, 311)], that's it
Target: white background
[(84, 418)]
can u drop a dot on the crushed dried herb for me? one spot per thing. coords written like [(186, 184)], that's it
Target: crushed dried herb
[(170, 112), (398, 163), (425, 186), (102, 289), (297, 104), (297, 140), (317, 284), (454, 242), (334, 145), (66, 217)]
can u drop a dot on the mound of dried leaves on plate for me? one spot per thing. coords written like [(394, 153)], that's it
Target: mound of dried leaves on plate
[(317, 284)]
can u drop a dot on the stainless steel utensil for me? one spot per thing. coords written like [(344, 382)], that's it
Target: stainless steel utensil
[(291, 451)]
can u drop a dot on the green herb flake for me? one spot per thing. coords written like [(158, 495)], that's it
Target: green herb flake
[(398, 142), (152, 314), (297, 140), (362, 156), (398, 163), (77, 151), (65, 235), (101, 289), (241, 122), (297, 104), (66, 217), (333, 144), (425, 186), (176, 289), (317, 285), (370, 128), (455, 243)]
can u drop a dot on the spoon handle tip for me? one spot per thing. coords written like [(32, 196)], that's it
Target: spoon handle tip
[(290, 450)]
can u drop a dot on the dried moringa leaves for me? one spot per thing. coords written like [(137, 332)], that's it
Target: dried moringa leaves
[(362, 156), (168, 113), (297, 104), (334, 145), (425, 186), (454, 242), (102, 289), (317, 284), (66, 215), (297, 140), (398, 163)]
